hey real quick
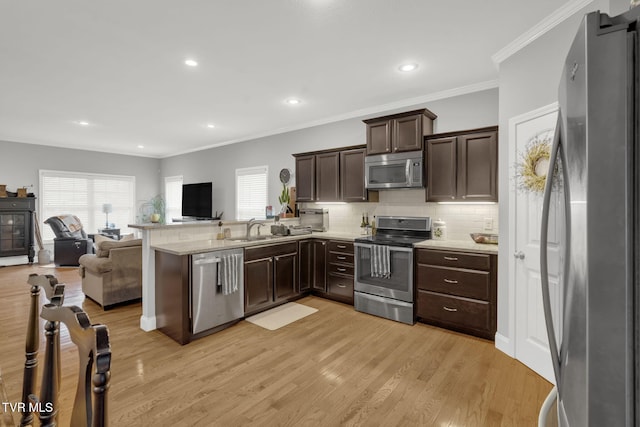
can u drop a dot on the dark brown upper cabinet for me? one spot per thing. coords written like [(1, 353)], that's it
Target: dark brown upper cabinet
[(332, 176), (352, 175), (398, 132), (306, 178), (328, 177), (462, 166)]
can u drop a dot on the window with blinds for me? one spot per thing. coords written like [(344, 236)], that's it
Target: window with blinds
[(251, 192), (173, 197), (83, 195)]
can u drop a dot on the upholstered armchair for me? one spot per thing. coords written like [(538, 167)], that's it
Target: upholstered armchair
[(71, 240), (113, 275)]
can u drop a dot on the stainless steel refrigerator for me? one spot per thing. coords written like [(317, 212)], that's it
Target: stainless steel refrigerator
[(595, 165)]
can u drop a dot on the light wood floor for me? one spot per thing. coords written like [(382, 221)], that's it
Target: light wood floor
[(334, 367)]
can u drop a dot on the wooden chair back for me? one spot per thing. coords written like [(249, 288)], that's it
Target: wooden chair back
[(90, 405)]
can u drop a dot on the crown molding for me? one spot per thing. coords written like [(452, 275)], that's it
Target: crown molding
[(363, 113), (538, 30)]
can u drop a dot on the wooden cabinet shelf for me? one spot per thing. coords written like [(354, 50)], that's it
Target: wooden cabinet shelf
[(457, 290), (462, 166), (398, 132)]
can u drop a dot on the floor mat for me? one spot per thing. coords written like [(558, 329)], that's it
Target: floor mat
[(281, 316)]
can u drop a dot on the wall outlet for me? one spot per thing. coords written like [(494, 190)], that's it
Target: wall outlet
[(488, 224)]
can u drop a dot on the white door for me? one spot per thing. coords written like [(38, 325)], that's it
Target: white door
[(530, 333)]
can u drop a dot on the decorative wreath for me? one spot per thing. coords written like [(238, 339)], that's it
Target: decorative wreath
[(534, 163)]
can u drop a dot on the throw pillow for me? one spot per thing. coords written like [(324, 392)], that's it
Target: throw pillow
[(99, 238), (126, 237)]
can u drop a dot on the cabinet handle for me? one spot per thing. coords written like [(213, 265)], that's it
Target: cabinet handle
[(342, 270), (270, 259), (341, 246), (453, 310), (341, 257), (341, 286), (453, 282), (451, 258)]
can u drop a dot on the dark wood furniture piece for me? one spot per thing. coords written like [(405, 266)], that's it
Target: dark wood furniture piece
[(457, 290), (332, 175), (313, 272), (16, 226), (67, 251), (462, 166), (94, 354), (270, 276), (398, 132)]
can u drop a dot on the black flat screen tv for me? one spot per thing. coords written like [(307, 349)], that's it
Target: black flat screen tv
[(197, 200)]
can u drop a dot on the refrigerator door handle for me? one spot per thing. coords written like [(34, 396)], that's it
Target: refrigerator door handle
[(544, 265)]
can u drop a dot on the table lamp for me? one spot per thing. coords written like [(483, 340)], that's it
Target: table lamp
[(107, 209)]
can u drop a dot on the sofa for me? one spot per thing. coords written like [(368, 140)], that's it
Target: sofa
[(113, 275)]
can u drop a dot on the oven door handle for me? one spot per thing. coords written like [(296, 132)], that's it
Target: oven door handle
[(391, 247)]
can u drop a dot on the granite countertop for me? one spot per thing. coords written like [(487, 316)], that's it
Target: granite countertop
[(459, 245), (199, 246)]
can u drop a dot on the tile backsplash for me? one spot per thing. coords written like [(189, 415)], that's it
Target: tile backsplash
[(461, 219)]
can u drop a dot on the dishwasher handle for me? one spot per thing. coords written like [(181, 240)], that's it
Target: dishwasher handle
[(204, 261)]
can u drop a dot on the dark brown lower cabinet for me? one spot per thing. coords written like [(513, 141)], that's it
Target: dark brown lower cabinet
[(340, 269), (270, 276), (457, 290), (313, 255)]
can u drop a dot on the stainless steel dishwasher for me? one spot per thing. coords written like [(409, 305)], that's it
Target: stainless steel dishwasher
[(210, 304)]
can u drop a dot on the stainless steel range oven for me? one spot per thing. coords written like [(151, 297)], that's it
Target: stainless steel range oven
[(383, 283)]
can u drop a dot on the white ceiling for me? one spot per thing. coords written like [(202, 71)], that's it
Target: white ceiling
[(119, 65)]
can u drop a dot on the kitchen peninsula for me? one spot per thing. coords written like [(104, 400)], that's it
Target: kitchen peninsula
[(187, 238)]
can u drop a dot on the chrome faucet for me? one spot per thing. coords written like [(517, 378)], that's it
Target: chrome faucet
[(250, 225)]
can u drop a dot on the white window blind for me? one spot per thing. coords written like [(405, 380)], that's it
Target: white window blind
[(251, 192), (173, 197), (82, 195)]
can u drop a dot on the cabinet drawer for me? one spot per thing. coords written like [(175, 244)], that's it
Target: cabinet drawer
[(13, 203), (454, 259), (340, 286), (267, 251), (340, 269), (340, 258), (453, 311), (341, 246), (454, 281)]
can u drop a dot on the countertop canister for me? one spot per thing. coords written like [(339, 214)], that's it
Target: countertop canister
[(439, 230)]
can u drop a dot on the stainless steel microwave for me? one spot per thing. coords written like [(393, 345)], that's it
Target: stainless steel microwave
[(396, 170)]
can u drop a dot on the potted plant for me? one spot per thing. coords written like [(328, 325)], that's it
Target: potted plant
[(158, 209), (284, 199)]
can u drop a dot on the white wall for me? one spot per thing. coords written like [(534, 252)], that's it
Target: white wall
[(529, 79), (469, 111)]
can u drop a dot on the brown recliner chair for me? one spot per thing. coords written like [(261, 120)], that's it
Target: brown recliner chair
[(113, 275)]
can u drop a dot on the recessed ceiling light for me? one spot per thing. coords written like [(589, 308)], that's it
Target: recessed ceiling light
[(211, 125), (293, 101), (141, 146), (408, 67), (83, 123), (191, 62)]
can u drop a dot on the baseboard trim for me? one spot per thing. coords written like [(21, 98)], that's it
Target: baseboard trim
[(504, 345)]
